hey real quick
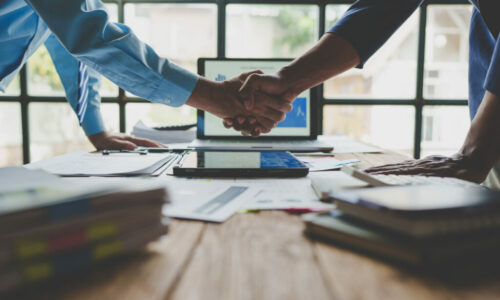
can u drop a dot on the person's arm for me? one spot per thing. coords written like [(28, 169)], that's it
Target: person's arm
[(479, 153), (481, 148), (92, 123), (363, 29), (112, 49)]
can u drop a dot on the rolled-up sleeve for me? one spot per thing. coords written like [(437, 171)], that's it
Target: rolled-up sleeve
[(368, 24), (492, 81), (112, 49), (67, 68)]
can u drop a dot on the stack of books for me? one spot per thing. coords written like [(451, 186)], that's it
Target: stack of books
[(424, 226), (50, 227)]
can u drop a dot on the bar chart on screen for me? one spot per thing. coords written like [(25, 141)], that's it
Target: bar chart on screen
[(298, 116)]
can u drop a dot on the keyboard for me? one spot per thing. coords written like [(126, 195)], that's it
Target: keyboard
[(388, 180)]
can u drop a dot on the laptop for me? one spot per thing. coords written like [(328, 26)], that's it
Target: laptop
[(297, 133)]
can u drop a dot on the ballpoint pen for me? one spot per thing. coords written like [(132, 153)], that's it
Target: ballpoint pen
[(140, 152)]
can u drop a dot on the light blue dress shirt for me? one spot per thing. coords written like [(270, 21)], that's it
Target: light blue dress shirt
[(67, 68), (111, 49)]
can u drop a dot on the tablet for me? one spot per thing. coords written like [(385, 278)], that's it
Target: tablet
[(240, 164)]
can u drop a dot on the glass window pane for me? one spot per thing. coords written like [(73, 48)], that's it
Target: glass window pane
[(11, 150), (158, 115), (111, 117), (270, 30), (112, 11), (14, 88), (179, 32), (43, 79), (444, 129), (447, 51), (389, 73), (389, 127), (54, 129)]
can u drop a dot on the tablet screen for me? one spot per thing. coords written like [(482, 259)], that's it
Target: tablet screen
[(241, 160)]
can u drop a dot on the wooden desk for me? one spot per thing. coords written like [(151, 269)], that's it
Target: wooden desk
[(256, 256)]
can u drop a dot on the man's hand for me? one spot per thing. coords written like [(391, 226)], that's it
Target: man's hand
[(275, 85), (456, 165), (331, 56), (252, 93), (479, 153), (223, 100), (119, 141)]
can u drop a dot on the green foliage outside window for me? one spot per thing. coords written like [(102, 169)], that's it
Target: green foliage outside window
[(298, 28)]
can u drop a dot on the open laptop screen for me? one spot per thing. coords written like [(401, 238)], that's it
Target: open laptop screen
[(297, 123)]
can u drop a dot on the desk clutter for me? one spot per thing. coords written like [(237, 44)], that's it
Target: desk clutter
[(106, 163), (424, 226), (50, 227), (165, 134), (68, 212)]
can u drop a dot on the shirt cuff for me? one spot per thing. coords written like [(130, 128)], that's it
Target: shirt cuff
[(177, 89), (92, 122), (492, 81)]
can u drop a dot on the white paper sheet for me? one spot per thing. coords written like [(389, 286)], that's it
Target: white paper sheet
[(18, 178), (95, 164), (326, 182), (284, 194), (206, 200), (318, 163)]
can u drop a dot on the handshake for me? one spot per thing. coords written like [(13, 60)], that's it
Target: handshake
[(252, 103)]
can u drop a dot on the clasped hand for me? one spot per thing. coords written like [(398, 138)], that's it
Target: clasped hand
[(261, 100)]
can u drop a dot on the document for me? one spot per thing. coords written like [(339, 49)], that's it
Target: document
[(318, 163), (284, 194), (324, 183), (95, 164), (206, 200), (17, 179)]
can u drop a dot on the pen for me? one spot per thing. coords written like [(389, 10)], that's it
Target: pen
[(140, 152), (317, 155), (162, 150)]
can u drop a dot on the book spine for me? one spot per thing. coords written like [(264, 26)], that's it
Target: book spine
[(65, 209), (79, 259), (29, 247)]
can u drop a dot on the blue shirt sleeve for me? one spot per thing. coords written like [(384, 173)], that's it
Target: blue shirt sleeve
[(492, 81), (67, 68), (112, 49), (368, 24)]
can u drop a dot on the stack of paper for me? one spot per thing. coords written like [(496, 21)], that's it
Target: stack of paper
[(95, 164), (50, 227), (163, 136)]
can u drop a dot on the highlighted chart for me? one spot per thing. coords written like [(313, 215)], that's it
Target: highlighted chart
[(298, 116)]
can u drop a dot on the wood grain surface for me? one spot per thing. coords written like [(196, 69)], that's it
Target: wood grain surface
[(256, 256)]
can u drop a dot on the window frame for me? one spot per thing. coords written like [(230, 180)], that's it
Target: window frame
[(418, 102)]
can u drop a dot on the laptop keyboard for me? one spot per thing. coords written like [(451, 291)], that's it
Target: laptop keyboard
[(417, 180)]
